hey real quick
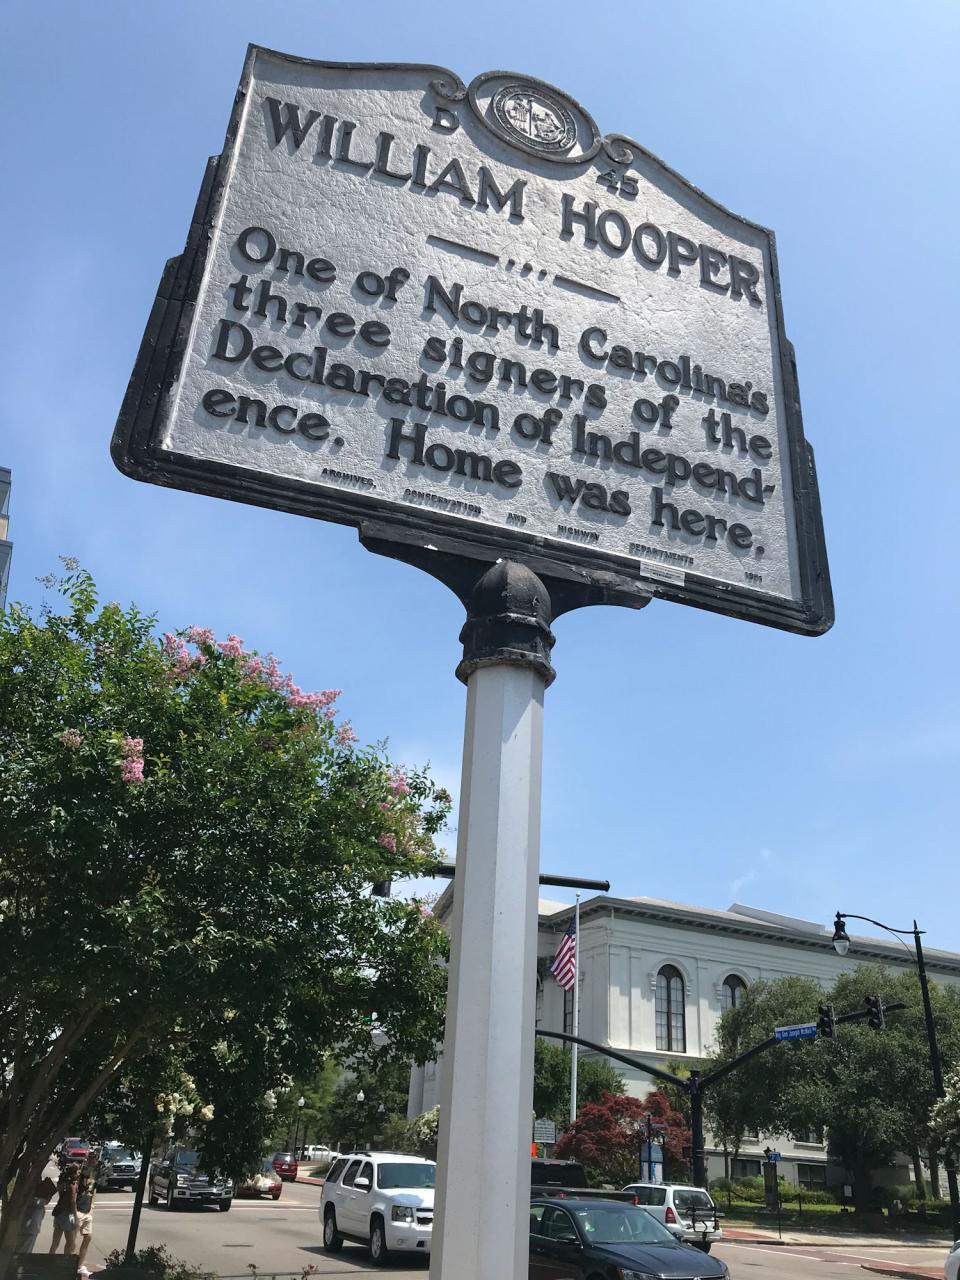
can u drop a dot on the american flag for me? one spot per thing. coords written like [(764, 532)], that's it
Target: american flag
[(563, 966)]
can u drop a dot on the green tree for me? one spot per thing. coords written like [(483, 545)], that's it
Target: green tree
[(551, 1082), (187, 845), (311, 1120), (871, 1090), (384, 1084)]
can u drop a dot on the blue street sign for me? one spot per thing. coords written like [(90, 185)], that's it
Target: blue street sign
[(799, 1031)]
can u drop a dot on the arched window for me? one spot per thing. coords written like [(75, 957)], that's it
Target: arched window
[(671, 1028), (731, 993)]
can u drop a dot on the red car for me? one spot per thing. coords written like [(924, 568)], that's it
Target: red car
[(285, 1163), (72, 1150), (265, 1183)]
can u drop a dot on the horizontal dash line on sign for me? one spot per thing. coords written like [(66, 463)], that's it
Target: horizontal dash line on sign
[(577, 286), (454, 245)]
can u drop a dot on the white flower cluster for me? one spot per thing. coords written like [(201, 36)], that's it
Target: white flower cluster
[(170, 1106), (945, 1115)]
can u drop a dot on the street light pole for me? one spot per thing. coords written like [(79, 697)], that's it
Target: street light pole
[(841, 943), (296, 1132)]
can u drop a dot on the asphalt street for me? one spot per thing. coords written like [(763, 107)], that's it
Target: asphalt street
[(284, 1236)]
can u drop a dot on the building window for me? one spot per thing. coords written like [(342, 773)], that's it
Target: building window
[(752, 1135), (538, 1018), (731, 993), (746, 1168), (568, 1012), (671, 1028), (812, 1136), (812, 1176)]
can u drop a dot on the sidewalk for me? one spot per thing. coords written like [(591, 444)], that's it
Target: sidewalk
[(871, 1243), (816, 1239)]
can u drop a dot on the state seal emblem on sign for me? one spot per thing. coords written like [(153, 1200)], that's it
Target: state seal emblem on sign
[(539, 119)]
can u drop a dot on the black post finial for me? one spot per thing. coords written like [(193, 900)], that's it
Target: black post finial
[(509, 612)]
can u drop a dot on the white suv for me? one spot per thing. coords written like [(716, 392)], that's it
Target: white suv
[(381, 1200), (689, 1212)]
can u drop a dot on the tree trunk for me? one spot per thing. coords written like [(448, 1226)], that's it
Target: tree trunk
[(918, 1174), (862, 1186), (16, 1205), (933, 1159)]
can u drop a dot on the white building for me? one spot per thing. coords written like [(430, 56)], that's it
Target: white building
[(656, 976)]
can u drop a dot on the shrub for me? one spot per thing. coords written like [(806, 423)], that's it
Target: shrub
[(814, 1195), (155, 1260), (722, 1186)]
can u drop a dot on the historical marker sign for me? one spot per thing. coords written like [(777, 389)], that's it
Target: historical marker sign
[(461, 315)]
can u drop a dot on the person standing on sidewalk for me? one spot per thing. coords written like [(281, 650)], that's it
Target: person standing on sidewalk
[(65, 1211), (86, 1194), (33, 1221)]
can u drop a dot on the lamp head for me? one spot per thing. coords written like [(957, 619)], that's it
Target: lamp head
[(361, 1096), (841, 943)]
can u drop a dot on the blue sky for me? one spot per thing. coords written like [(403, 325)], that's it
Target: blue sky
[(688, 756)]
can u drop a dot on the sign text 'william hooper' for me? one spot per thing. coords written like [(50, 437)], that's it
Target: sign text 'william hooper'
[(460, 312)]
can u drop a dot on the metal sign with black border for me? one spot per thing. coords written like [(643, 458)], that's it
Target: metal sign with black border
[(460, 317)]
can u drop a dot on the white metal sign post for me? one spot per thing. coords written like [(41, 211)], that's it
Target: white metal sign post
[(536, 363)]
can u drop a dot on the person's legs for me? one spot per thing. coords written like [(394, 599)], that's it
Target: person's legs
[(57, 1233), (86, 1235), (71, 1242)]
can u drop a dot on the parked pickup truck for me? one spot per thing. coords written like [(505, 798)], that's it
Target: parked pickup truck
[(178, 1180), (559, 1178)]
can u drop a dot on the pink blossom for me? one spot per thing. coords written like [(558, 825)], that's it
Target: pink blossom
[(183, 663), (388, 841), (443, 796), (232, 647), (131, 770), (171, 643), (253, 666), (275, 678), (132, 748), (386, 806), (345, 734), (328, 695), (201, 636), (71, 738), (398, 783)]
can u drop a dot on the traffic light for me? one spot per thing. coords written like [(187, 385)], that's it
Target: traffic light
[(825, 1023), (876, 1020), (381, 889)]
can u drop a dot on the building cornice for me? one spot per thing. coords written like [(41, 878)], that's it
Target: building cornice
[(729, 924)]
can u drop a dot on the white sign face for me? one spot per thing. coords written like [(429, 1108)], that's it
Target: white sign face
[(458, 312)]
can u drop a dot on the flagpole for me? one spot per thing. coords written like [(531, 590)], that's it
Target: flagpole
[(576, 1014)]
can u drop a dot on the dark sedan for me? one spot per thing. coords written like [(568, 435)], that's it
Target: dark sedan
[(606, 1240)]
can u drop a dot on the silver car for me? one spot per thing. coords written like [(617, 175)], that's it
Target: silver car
[(688, 1212)]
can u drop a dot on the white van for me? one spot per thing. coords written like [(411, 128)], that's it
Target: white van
[(689, 1212)]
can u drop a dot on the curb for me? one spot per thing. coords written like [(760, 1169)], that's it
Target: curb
[(313, 1182)]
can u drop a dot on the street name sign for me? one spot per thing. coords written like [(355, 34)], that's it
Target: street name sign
[(797, 1031), (458, 316)]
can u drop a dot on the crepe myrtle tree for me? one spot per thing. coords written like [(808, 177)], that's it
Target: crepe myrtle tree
[(945, 1116), (187, 845), (606, 1136)]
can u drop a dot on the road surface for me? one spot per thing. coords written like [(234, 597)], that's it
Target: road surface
[(284, 1236)]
